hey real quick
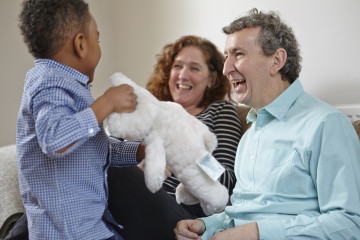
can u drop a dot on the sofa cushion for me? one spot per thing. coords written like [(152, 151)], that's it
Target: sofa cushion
[(10, 201)]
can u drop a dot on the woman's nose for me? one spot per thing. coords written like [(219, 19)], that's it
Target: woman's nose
[(184, 74)]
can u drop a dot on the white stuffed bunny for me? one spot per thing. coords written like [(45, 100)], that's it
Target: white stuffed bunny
[(174, 138)]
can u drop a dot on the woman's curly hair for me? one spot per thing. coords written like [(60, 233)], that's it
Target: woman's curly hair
[(274, 34), (158, 83), (47, 24)]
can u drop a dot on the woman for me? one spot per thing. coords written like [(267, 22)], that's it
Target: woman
[(188, 72)]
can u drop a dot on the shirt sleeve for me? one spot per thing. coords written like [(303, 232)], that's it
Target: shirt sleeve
[(213, 224), (334, 166), (58, 123), (123, 153), (227, 129)]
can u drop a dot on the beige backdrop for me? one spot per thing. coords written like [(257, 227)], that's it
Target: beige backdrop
[(132, 32)]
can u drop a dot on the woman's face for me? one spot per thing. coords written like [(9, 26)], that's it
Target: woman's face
[(189, 77)]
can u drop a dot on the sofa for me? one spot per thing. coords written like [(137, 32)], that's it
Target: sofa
[(11, 207)]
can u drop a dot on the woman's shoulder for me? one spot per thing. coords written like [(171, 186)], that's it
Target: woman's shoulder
[(221, 105)]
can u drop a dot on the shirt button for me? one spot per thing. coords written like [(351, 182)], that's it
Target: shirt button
[(252, 157), (259, 128), (249, 188), (91, 130)]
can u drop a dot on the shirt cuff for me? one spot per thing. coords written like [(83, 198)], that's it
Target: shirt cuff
[(270, 229), (124, 153), (213, 224), (88, 121)]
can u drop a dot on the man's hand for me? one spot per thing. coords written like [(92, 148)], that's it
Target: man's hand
[(189, 229), (248, 231)]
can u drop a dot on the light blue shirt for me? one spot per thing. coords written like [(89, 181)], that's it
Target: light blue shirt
[(65, 195), (298, 172)]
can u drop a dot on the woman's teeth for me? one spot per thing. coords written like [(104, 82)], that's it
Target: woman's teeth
[(183, 86)]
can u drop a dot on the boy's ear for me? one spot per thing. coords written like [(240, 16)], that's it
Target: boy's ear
[(80, 45), (279, 60)]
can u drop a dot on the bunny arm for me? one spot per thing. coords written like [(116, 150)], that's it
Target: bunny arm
[(155, 162)]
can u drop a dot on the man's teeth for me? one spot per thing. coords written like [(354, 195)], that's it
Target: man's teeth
[(237, 82), (184, 86)]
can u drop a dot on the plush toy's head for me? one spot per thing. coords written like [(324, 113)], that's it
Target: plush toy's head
[(143, 116)]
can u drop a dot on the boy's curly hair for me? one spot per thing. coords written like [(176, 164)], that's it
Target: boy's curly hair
[(47, 24)]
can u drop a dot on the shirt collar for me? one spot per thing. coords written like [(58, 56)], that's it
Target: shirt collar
[(74, 73), (280, 106)]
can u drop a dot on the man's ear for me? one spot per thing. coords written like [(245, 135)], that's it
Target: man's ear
[(80, 45), (279, 60)]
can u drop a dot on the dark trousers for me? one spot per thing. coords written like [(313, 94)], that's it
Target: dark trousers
[(144, 215)]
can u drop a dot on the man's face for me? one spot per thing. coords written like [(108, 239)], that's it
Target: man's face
[(247, 68)]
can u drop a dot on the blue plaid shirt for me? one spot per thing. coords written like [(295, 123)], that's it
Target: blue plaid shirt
[(65, 195)]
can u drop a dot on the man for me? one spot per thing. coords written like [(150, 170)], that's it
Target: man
[(298, 166)]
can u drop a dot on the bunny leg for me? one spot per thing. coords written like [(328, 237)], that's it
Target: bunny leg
[(155, 162)]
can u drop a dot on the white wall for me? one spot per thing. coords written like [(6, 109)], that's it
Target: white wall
[(132, 32)]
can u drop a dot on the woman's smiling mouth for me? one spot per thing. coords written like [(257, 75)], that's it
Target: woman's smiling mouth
[(181, 86)]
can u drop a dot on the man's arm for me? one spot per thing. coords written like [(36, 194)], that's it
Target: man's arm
[(247, 231)]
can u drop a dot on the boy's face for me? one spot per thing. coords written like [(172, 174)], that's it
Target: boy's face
[(94, 51)]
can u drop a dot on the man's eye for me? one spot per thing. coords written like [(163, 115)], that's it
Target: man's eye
[(239, 54), (177, 66), (195, 69)]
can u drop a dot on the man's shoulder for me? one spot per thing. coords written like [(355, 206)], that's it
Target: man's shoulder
[(317, 108)]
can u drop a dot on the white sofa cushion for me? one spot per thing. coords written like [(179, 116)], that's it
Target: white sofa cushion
[(10, 201)]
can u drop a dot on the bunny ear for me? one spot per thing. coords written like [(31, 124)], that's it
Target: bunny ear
[(115, 79), (119, 78)]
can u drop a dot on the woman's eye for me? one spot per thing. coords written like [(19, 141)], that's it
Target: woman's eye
[(177, 66)]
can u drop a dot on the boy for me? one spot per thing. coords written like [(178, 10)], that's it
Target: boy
[(63, 151)]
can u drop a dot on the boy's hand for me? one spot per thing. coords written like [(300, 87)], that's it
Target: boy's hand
[(118, 99), (122, 98)]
